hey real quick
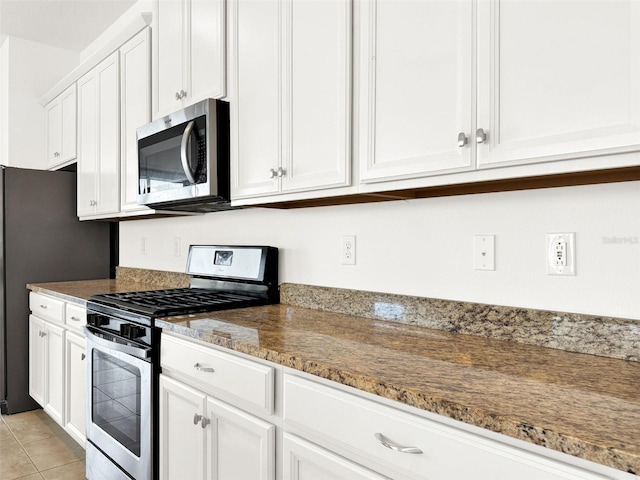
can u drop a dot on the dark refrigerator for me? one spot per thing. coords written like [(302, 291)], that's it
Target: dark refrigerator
[(42, 240)]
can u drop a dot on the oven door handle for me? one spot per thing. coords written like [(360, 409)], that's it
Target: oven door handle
[(184, 156), (93, 334)]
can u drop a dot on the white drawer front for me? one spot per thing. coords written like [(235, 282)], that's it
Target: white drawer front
[(349, 424), (47, 307), (75, 316), (238, 381)]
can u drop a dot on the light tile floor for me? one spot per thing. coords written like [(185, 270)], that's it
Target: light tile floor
[(34, 447)]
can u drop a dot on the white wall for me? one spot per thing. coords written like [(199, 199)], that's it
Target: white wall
[(424, 247), (29, 69)]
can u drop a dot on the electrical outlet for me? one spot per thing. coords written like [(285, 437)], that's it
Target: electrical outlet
[(484, 256), (348, 250), (561, 254)]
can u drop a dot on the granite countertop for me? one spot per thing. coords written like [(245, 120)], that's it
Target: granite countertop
[(580, 404)]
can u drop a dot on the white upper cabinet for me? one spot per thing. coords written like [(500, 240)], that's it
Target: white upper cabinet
[(99, 140), (188, 53), (61, 128), (290, 71), (416, 85), (135, 111), (558, 80)]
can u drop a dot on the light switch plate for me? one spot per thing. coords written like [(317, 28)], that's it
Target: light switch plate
[(484, 257)]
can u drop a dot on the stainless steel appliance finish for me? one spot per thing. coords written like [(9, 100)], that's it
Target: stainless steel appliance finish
[(183, 159), (123, 348), (42, 241), (121, 369)]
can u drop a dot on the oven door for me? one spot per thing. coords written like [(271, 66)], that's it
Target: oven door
[(120, 404)]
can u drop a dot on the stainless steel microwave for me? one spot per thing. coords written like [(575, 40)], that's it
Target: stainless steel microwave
[(183, 159)]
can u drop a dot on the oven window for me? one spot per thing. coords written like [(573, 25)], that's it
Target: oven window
[(116, 399)]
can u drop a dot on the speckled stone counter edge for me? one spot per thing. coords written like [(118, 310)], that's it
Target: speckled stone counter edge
[(604, 336), (595, 335)]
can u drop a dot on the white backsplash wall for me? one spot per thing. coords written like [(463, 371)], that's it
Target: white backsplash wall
[(424, 247)]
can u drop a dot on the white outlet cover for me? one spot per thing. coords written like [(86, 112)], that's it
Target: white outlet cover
[(568, 242), (484, 253)]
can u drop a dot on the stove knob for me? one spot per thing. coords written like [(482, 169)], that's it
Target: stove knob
[(131, 331)]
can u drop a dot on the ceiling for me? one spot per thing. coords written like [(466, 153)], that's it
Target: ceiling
[(68, 24)]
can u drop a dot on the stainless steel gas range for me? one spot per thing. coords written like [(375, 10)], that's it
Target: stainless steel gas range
[(123, 349)]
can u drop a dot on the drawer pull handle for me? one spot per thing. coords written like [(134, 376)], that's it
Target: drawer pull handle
[(196, 418), (398, 448), (44, 307), (200, 368), (75, 319)]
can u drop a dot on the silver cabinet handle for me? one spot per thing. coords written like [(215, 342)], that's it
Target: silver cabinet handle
[(44, 307), (75, 319), (181, 94), (178, 96), (82, 356), (481, 136), (462, 139), (272, 173), (196, 418), (205, 422), (398, 448), (200, 368), (281, 172)]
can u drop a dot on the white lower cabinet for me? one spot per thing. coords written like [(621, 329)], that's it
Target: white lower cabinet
[(398, 444), (202, 437), (306, 461), (75, 386), (57, 361)]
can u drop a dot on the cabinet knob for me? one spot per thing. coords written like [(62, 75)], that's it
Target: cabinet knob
[(398, 448), (75, 319), (481, 136), (82, 356), (181, 94), (272, 173), (281, 172), (462, 139), (205, 422), (196, 418), (44, 307)]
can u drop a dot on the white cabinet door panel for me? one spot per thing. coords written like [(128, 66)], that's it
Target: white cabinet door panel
[(75, 391), (317, 94), (306, 461), (88, 143), (54, 372), (416, 88), (255, 109), (558, 79), (168, 53), (181, 439), (36, 360), (241, 446)]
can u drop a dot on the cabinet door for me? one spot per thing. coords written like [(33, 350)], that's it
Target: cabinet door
[(168, 52), (75, 391), (316, 94), (305, 461), (416, 85), (558, 80), (53, 113), (87, 143), (108, 171), (240, 446), (36, 359), (68, 134), (205, 62), (135, 109), (255, 105), (182, 437), (54, 371)]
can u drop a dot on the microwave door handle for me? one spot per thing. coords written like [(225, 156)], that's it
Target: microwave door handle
[(184, 155)]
